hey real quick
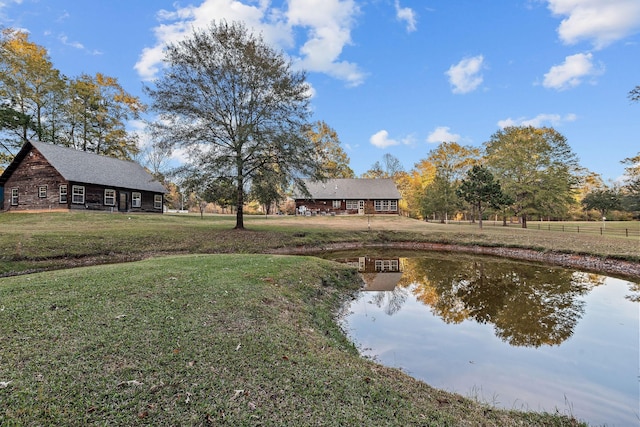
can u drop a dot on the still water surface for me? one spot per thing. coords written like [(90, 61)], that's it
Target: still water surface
[(514, 335)]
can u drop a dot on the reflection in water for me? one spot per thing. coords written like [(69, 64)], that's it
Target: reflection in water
[(527, 336), (382, 275), (528, 305)]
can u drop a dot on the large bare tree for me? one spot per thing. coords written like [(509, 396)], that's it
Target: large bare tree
[(237, 107)]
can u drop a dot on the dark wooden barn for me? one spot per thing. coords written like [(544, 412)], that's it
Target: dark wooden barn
[(51, 177)]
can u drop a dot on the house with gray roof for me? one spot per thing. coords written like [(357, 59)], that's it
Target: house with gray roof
[(357, 196), (44, 176)]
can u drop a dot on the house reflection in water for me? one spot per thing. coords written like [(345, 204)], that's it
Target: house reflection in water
[(379, 274)]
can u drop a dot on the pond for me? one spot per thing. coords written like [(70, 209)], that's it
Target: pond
[(511, 334)]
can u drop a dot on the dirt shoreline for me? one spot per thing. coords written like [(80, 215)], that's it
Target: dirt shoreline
[(626, 269)]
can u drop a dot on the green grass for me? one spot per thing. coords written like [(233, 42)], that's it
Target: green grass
[(205, 340), (30, 242)]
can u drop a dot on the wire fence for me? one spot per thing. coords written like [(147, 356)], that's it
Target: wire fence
[(626, 230)]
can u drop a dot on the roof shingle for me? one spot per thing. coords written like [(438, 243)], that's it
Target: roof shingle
[(90, 168), (347, 188)]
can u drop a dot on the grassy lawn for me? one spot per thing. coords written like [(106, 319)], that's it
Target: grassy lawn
[(29, 242), (207, 328), (205, 340)]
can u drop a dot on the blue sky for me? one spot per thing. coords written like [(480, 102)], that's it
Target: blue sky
[(395, 76)]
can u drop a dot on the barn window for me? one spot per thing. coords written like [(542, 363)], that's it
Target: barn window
[(109, 197), (14, 197), (136, 200), (42, 191), (157, 201), (77, 194), (63, 194), (337, 204), (352, 204)]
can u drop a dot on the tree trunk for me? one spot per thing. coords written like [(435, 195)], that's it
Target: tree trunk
[(524, 220), (480, 214), (240, 200)]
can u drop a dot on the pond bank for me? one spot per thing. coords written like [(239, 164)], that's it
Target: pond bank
[(579, 261)]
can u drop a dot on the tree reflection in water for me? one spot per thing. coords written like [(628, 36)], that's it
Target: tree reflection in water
[(528, 304), (528, 335), (392, 301)]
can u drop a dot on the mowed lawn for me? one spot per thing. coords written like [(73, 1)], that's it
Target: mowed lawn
[(43, 241), (204, 328)]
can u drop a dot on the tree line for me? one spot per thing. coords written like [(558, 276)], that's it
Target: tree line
[(520, 173), (240, 113), (38, 102)]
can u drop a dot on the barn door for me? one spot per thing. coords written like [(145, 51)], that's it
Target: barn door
[(360, 207), (123, 201)]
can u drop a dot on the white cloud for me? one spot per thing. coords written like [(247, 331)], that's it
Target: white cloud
[(540, 120), (407, 15), (442, 134), (381, 140), (65, 41), (65, 15), (465, 76), (327, 25), (571, 72), (600, 21), (76, 45)]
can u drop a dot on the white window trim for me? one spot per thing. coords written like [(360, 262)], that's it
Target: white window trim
[(42, 191), (387, 265), (337, 204), (136, 199), (63, 193), (352, 204), (112, 201), (80, 194), (157, 201), (386, 205), (15, 197)]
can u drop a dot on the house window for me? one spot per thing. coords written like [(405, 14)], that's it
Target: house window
[(352, 204), (109, 197), (14, 197), (77, 194), (157, 201), (387, 265), (136, 200), (42, 191), (63, 194), (337, 204), (386, 205)]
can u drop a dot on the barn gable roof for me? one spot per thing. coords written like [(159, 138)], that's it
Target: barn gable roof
[(351, 188), (90, 168)]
